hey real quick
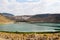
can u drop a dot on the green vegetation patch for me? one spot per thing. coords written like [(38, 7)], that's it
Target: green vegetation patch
[(31, 32)]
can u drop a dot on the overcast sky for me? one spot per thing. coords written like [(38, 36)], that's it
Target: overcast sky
[(29, 7)]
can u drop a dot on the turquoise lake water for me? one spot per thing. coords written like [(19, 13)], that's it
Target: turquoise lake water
[(31, 27)]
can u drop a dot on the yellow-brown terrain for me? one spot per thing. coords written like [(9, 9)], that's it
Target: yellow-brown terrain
[(31, 36), (4, 20)]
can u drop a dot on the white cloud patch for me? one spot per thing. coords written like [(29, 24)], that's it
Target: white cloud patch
[(51, 6), (26, 8), (17, 8)]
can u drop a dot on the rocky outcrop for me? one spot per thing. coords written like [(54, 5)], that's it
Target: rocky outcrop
[(45, 18), (22, 18)]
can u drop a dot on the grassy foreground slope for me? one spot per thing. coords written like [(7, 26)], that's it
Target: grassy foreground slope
[(4, 20), (30, 36)]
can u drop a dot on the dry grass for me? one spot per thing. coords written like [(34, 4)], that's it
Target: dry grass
[(31, 36), (4, 20)]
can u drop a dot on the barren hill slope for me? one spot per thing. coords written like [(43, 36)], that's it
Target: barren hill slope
[(4, 20)]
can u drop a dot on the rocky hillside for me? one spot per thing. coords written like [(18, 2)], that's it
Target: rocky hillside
[(4, 20), (22, 18), (45, 18)]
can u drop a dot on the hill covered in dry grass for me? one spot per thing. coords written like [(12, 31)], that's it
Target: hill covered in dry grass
[(4, 20), (29, 36)]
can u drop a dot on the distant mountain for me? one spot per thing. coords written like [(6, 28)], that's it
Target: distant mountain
[(40, 16), (7, 14), (45, 18)]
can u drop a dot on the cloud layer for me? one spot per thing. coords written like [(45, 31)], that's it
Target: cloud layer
[(19, 8), (31, 7), (51, 6)]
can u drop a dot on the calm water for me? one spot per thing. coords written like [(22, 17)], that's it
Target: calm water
[(31, 27)]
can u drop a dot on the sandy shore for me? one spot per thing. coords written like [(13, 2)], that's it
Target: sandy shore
[(32, 36)]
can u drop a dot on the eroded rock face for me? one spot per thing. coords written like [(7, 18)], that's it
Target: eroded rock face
[(45, 18), (22, 18)]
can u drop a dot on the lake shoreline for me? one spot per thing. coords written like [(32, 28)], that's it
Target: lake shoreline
[(31, 27), (28, 32)]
